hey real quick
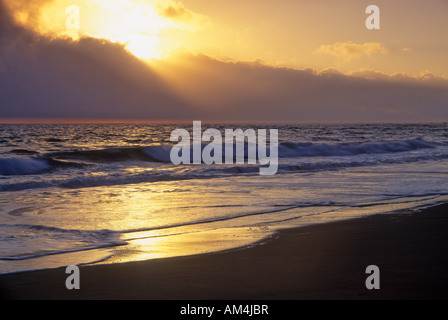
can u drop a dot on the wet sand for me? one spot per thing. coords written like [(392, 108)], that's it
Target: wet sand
[(326, 261)]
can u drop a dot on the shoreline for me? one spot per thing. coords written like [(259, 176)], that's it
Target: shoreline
[(323, 261)]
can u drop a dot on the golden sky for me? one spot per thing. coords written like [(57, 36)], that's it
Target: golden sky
[(295, 33), (300, 33)]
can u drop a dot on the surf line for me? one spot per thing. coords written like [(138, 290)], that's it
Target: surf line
[(196, 151)]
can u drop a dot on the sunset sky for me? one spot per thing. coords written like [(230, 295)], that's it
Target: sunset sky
[(296, 32), (238, 60)]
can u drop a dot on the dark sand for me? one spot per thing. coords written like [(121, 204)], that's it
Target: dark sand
[(325, 261)]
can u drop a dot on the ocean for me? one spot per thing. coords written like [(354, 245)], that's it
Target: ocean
[(74, 194)]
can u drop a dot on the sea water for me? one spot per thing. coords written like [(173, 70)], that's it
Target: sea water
[(108, 193)]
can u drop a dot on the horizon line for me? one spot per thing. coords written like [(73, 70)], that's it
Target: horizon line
[(183, 121)]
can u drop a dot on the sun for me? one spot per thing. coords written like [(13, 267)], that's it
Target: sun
[(136, 24), (143, 46)]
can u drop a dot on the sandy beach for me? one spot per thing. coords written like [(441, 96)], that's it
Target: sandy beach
[(325, 261)]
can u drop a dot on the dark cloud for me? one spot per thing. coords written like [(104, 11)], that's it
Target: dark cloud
[(176, 12), (43, 78), (260, 92), (6, 24)]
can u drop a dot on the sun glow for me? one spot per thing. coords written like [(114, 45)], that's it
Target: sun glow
[(136, 24)]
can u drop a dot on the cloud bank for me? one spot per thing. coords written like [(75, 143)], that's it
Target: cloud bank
[(96, 79), (90, 78)]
